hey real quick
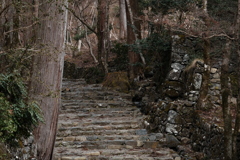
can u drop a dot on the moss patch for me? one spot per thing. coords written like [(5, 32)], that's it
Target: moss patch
[(117, 81)]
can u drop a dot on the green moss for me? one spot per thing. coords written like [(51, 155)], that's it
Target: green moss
[(117, 81)]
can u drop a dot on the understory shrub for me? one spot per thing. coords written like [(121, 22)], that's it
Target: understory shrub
[(18, 116)]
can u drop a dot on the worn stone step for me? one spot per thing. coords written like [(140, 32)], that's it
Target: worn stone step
[(150, 137), (63, 132), (78, 114), (92, 122), (80, 88), (99, 116), (105, 127), (107, 109), (90, 104), (99, 124), (81, 101), (148, 154), (110, 144), (88, 90), (98, 111), (79, 110), (97, 95)]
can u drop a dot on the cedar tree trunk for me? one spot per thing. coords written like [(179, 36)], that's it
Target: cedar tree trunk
[(47, 70), (103, 33)]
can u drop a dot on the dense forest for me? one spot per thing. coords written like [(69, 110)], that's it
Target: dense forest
[(104, 36)]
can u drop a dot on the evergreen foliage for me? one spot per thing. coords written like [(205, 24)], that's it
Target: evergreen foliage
[(121, 61), (18, 118)]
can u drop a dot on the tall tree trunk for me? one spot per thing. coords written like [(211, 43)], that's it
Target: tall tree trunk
[(103, 33), (133, 34), (203, 95), (46, 78), (227, 117), (123, 20), (237, 122)]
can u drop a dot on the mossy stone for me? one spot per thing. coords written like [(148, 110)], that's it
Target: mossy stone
[(118, 81)]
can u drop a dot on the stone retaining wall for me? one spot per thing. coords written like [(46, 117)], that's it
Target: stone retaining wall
[(175, 113)]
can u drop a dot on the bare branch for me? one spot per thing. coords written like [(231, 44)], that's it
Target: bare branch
[(5, 8), (82, 21), (21, 28), (221, 35), (209, 37)]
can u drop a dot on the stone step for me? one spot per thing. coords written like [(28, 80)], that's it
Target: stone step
[(116, 154), (99, 103), (114, 111), (79, 110), (96, 109), (99, 124), (150, 137), (64, 132), (100, 115), (105, 127), (84, 105), (105, 117), (81, 100), (82, 96), (89, 91), (84, 99), (98, 93), (110, 144), (79, 88), (93, 122)]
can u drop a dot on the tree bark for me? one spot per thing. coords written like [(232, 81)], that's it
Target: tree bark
[(133, 34), (123, 20), (46, 77), (203, 95), (237, 121), (103, 33), (227, 117)]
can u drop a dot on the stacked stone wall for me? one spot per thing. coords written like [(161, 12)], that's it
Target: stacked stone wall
[(176, 113)]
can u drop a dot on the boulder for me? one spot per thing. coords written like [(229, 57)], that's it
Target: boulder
[(172, 141)]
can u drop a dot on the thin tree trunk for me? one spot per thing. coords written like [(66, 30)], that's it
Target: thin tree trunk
[(15, 38), (203, 95), (46, 79), (133, 35), (123, 20), (90, 48), (227, 117)]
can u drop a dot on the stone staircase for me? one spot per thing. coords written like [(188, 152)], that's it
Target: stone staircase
[(98, 124)]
